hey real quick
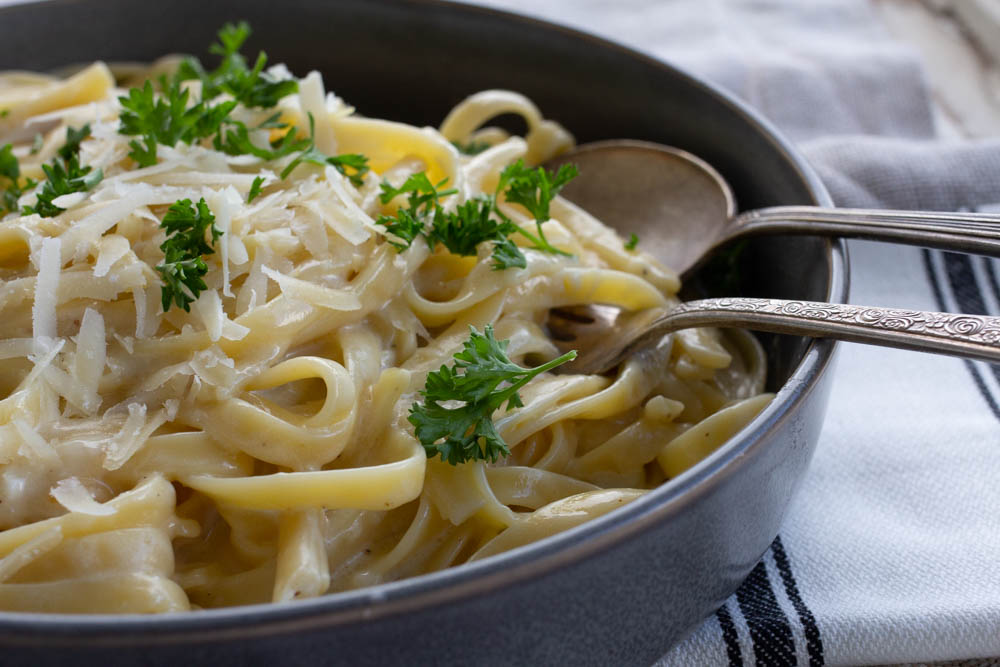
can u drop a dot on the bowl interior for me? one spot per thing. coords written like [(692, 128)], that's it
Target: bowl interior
[(413, 61)]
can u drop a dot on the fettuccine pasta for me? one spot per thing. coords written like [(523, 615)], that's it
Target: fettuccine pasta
[(257, 447)]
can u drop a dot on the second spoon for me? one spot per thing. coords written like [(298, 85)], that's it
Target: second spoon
[(682, 209)]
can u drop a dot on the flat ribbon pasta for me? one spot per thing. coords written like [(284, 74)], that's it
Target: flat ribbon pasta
[(254, 445)]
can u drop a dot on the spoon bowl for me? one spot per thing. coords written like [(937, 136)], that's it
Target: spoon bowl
[(683, 210)]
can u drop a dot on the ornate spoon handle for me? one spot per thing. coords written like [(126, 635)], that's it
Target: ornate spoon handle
[(970, 336)]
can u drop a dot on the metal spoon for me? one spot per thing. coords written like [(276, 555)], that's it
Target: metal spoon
[(641, 187), (604, 336), (646, 188)]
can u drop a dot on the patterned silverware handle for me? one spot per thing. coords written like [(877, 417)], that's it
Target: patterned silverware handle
[(965, 232), (970, 336)]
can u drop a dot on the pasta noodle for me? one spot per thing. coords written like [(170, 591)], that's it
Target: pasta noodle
[(256, 448)]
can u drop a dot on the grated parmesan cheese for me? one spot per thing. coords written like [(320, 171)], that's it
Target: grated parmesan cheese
[(312, 97), (208, 307), (224, 204), (43, 312), (111, 249), (132, 436), (91, 355), (314, 294), (35, 446), (74, 496)]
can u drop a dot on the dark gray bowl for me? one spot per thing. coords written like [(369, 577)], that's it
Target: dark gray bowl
[(619, 590)]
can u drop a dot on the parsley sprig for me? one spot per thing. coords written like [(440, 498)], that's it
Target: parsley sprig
[(65, 175), (471, 224), (534, 189), (358, 164), (470, 148), (10, 175), (423, 199), (255, 188), (251, 87), (183, 267), (478, 220), (482, 378), (168, 118)]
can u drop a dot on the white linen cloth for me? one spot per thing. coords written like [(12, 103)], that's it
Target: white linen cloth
[(891, 550)]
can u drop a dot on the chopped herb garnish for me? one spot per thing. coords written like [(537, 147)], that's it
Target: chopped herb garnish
[(36, 143), (251, 87), (358, 164), (404, 226), (471, 148), (467, 433), (632, 242), (4, 113), (534, 189), (471, 224), (183, 267), (166, 119), (10, 173), (423, 198), (235, 140), (255, 188), (422, 195), (506, 255), (477, 220), (65, 175)]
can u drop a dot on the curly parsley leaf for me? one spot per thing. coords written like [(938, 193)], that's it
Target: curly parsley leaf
[(65, 175), (251, 87), (183, 267), (534, 189), (482, 378), (358, 164), (235, 140), (422, 195), (255, 188), (166, 119), (472, 223), (471, 148), (460, 231), (10, 172), (74, 138), (506, 255), (405, 226), (410, 221)]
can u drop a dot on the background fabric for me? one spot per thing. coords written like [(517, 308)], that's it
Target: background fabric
[(890, 551)]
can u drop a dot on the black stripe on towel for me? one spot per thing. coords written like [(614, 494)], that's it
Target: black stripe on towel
[(773, 644), (729, 637), (814, 643), (932, 278), (965, 288)]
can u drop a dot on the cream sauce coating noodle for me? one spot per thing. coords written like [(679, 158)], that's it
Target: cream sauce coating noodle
[(256, 448)]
